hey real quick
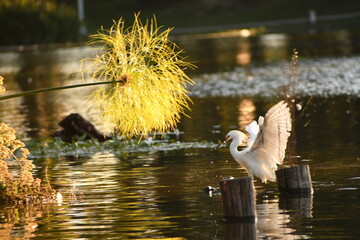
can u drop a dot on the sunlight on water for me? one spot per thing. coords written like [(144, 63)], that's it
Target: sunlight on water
[(130, 198)]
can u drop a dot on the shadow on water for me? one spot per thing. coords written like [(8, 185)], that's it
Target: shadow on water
[(157, 192)]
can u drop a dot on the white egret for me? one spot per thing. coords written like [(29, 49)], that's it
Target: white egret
[(266, 145)]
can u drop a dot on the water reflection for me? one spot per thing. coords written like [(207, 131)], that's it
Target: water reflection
[(117, 195), (240, 231), (21, 222), (40, 69), (277, 218), (273, 222), (246, 113), (220, 53), (210, 53), (301, 205), (275, 46), (158, 194), (336, 43), (149, 196)]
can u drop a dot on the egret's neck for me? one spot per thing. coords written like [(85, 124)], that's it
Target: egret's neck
[(234, 145)]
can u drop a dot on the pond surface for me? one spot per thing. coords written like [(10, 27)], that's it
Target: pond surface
[(154, 190)]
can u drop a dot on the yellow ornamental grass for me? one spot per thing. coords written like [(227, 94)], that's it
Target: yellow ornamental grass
[(150, 93)]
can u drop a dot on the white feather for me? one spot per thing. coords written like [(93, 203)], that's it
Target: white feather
[(267, 143), (253, 130)]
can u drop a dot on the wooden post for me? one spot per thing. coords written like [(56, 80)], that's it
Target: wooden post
[(295, 180), (238, 197)]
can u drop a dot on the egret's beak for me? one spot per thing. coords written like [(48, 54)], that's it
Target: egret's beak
[(223, 141)]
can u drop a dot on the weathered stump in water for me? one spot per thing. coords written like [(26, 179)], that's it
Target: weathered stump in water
[(295, 180), (238, 198)]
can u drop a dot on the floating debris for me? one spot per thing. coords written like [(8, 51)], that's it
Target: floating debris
[(212, 190)]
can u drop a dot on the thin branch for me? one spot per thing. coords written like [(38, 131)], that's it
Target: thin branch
[(53, 89)]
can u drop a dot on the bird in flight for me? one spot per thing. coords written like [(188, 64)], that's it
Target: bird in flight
[(266, 145)]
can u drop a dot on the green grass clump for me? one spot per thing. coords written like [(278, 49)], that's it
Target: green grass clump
[(150, 93)]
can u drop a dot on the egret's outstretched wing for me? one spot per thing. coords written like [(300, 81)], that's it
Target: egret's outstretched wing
[(274, 131), (253, 130)]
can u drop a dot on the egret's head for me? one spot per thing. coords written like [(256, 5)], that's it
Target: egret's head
[(234, 135)]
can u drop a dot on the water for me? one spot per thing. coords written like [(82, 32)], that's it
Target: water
[(155, 190)]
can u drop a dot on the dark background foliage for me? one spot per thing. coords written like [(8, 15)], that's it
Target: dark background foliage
[(50, 21)]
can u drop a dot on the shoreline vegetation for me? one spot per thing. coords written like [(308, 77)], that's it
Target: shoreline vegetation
[(185, 17), (19, 186)]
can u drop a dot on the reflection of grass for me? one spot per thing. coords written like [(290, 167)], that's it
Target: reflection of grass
[(151, 90), (22, 221)]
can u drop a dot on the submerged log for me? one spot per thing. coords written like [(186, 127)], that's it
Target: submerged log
[(295, 180), (238, 197), (75, 127)]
